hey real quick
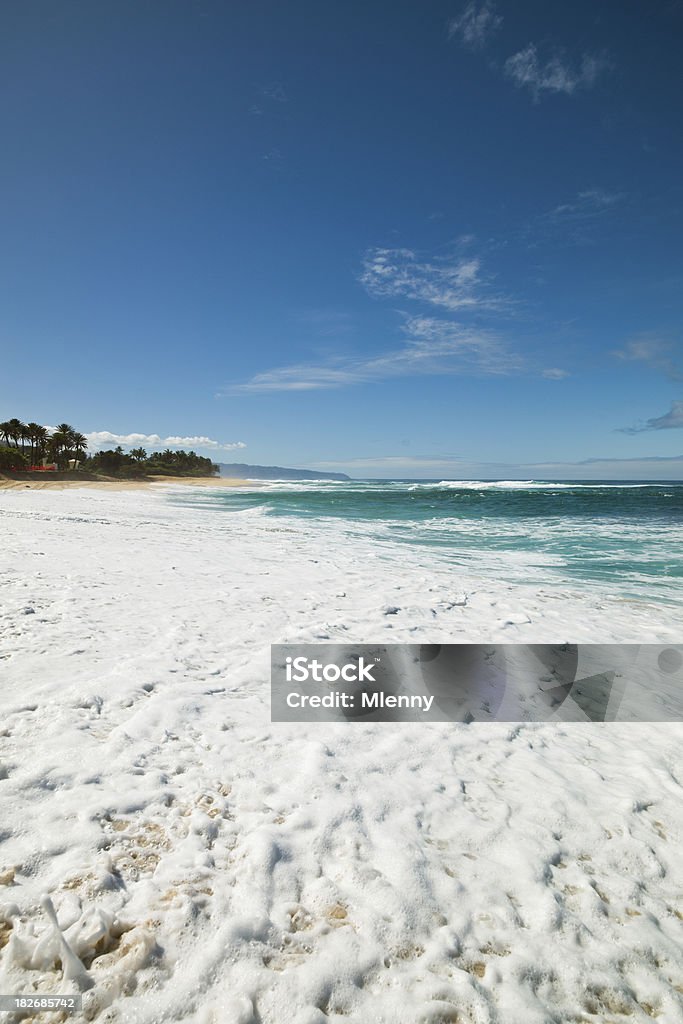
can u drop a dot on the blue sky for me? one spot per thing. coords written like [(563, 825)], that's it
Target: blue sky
[(415, 239)]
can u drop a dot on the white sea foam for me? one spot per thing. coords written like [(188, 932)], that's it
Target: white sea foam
[(530, 485), (207, 866), (384, 486)]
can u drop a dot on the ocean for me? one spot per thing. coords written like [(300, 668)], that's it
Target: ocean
[(622, 537)]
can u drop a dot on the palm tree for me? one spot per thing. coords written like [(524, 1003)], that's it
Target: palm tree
[(68, 433), (30, 436), (15, 430), (139, 454), (80, 443), (37, 437), (57, 444), (6, 431), (25, 436)]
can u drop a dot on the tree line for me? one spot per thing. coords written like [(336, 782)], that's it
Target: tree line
[(28, 444), (37, 442)]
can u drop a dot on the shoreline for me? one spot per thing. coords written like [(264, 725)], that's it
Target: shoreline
[(11, 483)]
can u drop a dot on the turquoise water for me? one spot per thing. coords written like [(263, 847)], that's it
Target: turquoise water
[(625, 536)]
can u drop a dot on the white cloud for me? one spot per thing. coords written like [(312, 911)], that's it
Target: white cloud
[(554, 75), (672, 420), (554, 373), (431, 346), (475, 24), (302, 377), (105, 438), (432, 340), (455, 285)]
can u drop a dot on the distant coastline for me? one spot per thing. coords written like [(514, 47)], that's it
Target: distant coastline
[(244, 471)]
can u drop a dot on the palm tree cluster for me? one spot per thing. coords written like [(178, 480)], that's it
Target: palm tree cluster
[(180, 462), (26, 444), (36, 442), (137, 463)]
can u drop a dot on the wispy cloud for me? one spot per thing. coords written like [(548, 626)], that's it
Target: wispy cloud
[(672, 420), (431, 340), (475, 24), (456, 289), (653, 351), (105, 438), (555, 373), (267, 96), (431, 346), (451, 284), (644, 458), (301, 377), (274, 91), (554, 75), (576, 220), (586, 205)]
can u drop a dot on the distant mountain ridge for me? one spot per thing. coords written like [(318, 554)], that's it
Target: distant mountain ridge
[(241, 471)]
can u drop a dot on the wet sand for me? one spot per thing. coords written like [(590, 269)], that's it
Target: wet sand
[(42, 483)]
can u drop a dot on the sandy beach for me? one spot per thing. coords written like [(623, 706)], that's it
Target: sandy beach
[(43, 482), (207, 866)]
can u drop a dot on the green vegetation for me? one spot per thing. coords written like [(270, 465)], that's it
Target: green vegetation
[(137, 463), (35, 443), (10, 458), (28, 444)]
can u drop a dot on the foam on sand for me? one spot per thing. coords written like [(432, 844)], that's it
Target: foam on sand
[(206, 865)]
